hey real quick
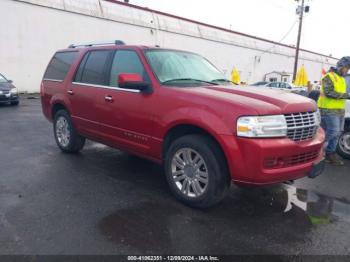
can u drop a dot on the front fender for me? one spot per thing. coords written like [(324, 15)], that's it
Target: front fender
[(218, 127), (207, 120)]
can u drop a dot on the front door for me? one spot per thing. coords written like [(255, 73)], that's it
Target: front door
[(126, 115)]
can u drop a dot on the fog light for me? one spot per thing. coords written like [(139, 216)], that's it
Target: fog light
[(273, 162)]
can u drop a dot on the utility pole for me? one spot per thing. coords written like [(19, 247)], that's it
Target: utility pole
[(300, 11)]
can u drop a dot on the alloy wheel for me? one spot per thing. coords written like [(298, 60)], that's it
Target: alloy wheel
[(62, 131), (344, 143), (189, 172)]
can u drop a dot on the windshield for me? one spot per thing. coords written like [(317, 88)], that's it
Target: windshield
[(2, 79), (183, 68)]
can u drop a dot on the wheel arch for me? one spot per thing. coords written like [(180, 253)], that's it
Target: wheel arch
[(180, 130), (56, 107)]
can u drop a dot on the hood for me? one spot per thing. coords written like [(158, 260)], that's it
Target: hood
[(261, 100)]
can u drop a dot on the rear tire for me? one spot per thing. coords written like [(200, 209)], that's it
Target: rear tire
[(15, 103), (196, 171), (344, 144), (67, 139)]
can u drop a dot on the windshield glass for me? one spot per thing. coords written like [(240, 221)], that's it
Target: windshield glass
[(183, 68), (3, 79)]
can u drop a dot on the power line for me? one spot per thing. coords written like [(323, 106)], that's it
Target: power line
[(282, 39), (274, 45), (300, 11)]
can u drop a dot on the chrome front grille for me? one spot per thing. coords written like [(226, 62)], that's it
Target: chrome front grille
[(301, 126)]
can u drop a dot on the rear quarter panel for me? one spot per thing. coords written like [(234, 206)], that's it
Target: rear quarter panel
[(55, 92)]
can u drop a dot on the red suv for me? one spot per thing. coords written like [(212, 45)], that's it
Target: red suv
[(177, 109)]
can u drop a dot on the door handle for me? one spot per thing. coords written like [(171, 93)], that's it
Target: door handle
[(70, 92), (108, 98)]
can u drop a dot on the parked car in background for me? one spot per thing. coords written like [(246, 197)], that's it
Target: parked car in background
[(286, 87), (344, 141), (282, 86), (261, 83), (177, 109), (8, 92)]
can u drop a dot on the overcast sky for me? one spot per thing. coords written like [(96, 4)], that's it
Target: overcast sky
[(324, 31)]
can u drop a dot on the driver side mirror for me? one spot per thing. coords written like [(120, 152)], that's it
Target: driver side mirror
[(133, 82), (10, 81)]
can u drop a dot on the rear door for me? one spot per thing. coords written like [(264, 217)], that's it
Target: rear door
[(126, 115), (83, 91)]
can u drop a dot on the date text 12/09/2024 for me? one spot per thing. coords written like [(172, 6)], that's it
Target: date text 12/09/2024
[(173, 258)]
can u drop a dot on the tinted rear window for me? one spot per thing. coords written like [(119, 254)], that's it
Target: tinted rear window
[(92, 69), (59, 65)]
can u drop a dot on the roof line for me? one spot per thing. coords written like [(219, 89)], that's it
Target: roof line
[(214, 27)]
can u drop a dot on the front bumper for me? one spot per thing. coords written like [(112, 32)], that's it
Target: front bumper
[(8, 98), (271, 161)]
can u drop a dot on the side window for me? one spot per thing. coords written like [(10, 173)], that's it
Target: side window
[(126, 61), (92, 69), (59, 65)]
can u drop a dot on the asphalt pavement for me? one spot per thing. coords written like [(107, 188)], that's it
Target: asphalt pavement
[(103, 201)]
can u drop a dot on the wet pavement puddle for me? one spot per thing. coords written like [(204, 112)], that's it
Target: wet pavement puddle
[(282, 213), (320, 209)]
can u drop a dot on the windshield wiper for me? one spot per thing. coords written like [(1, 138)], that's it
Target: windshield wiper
[(188, 79)]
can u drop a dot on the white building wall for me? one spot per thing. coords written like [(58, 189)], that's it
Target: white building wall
[(32, 30)]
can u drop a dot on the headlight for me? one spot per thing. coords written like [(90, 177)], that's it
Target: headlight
[(14, 91), (262, 126)]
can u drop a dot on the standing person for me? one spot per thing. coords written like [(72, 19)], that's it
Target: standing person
[(332, 102), (309, 86)]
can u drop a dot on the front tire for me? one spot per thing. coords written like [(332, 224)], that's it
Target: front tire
[(196, 171), (14, 103), (67, 139), (344, 144)]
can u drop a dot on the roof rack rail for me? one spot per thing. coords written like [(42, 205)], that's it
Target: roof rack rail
[(114, 42)]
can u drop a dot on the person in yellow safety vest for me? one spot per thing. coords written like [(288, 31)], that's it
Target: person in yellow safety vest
[(332, 103)]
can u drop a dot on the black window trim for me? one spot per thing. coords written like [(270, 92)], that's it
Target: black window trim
[(58, 80), (83, 60)]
